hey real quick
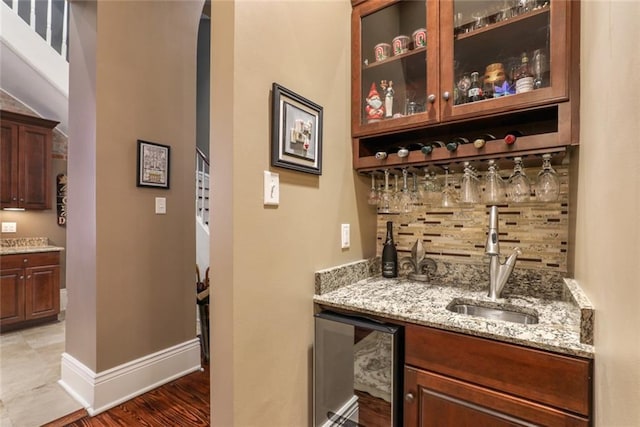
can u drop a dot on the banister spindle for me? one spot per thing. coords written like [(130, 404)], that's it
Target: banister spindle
[(65, 24), (32, 16), (48, 34)]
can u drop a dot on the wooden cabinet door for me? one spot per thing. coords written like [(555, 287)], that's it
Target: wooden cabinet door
[(34, 155), (433, 400), (12, 289), (42, 296), (8, 165)]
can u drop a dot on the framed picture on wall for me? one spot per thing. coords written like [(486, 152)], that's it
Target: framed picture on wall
[(296, 132), (153, 165)]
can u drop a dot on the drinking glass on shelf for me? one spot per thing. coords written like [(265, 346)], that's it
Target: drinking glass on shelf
[(494, 191), (395, 194), (518, 186), (432, 188), (416, 192), (548, 185), (449, 196), (374, 195), (405, 204), (469, 186), (384, 205)]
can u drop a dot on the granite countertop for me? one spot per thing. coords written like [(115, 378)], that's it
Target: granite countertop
[(25, 245), (565, 315)]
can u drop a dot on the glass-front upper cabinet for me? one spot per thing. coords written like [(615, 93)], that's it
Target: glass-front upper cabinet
[(394, 65), (499, 55)]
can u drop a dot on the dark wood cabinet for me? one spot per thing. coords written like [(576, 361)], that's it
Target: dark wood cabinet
[(428, 101), (30, 288), (25, 161), (455, 379)]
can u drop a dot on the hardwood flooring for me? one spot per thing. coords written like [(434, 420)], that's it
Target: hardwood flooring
[(183, 402)]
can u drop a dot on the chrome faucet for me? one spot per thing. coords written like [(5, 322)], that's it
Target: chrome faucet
[(498, 272)]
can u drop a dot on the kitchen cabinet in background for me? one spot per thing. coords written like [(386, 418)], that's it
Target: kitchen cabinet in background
[(426, 100), (25, 161), (30, 288)]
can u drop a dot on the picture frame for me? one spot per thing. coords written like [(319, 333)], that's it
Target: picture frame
[(154, 161), (296, 132)]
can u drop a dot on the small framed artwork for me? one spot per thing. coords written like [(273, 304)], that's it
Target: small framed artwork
[(153, 164), (296, 132)]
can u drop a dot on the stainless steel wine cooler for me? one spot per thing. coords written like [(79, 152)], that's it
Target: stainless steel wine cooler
[(357, 372)]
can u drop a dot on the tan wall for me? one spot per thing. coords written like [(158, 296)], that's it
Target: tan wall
[(134, 266), (263, 259), (608, 210)]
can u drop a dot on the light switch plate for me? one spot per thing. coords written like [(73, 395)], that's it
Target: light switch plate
[(9, 227), (345, 236), (271, 188), (161, 205)]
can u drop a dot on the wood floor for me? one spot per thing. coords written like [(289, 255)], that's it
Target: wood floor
[(183, 402)]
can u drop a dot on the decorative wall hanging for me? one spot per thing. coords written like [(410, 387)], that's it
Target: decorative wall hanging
[(153, 165), (61, 197), (296, 132)]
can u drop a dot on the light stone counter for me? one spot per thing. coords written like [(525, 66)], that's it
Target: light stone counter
[(25, 245), (565, 317)]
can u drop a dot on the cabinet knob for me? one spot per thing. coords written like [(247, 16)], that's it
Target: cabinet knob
[(14, 199), (446, 95), (29, 277), (21, 277), (408, 397), (22, 200), (25, 260), (431, 98)]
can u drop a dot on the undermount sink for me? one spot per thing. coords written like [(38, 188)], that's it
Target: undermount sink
[(506, 313)]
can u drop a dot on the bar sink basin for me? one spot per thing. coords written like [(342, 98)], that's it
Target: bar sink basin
[(507, 313)]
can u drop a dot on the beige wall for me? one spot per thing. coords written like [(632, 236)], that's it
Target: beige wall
[(608, 210), (263, 259), (130, 271)]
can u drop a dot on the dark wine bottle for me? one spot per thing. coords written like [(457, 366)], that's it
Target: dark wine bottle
[(475, 91), (389, 254), (455, 142)]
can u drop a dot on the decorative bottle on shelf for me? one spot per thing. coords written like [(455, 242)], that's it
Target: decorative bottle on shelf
[(524, 77), (475, 91), (389, 254)]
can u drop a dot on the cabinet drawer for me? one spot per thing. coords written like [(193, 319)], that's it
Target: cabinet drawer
[(560, 381), (29, 260)]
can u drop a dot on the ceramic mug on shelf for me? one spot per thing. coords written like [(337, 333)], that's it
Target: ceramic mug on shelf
[(419, 38), (400, 45), (382, 51)]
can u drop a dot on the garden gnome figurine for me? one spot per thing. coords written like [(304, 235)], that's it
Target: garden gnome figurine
[(374, 108)]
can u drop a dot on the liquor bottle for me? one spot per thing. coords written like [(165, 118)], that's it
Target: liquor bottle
[(480, 141), (455, 142), (511, 137), (524, 77), (389, 254), (475, 91)]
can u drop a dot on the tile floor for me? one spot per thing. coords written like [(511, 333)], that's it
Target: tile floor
[(29, 372)]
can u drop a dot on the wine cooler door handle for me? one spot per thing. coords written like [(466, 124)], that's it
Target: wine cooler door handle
[(431, 98), (446, 95)]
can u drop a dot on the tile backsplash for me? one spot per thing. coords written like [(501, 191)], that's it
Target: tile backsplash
[(540, 229)]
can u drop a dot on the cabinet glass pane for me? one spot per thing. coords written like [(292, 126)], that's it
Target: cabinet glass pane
[(506, 42), (394, 46)]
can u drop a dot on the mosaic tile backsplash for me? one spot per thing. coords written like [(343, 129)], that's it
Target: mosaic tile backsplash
[(540, 229)]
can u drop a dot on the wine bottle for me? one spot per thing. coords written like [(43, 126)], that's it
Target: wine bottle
[(389, 254), (524, 78), (480, 141), (511, 137), (455, 142), (475, 91)]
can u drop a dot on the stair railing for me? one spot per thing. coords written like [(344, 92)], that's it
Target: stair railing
[(56, 25), (202, 188)]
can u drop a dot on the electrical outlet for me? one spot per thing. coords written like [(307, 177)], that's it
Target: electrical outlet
[(345, 236), (9, 227)]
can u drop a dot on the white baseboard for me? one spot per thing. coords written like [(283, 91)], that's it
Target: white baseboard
[(98, 392)]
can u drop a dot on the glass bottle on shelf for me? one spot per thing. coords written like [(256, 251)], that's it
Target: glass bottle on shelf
[(475, 91), (524, 77)]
